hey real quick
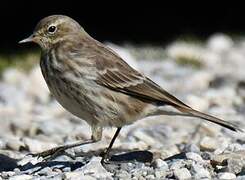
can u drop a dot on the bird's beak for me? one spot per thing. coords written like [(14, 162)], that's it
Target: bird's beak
[(29, 39)]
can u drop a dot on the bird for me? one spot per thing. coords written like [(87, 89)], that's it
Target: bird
[(94, 83)]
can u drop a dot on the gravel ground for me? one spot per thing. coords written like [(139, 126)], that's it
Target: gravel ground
[(208, 76)]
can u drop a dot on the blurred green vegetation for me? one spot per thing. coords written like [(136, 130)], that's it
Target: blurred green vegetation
[(23, 61), (189, 61), (147, 52)]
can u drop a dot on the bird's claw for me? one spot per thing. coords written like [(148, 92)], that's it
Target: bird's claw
[(48, 154)]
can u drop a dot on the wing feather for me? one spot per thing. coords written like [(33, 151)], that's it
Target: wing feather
[(126, 80)]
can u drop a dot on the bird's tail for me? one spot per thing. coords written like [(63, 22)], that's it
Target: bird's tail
[(210, 118)]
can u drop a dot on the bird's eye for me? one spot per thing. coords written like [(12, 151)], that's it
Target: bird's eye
[(52, 29)]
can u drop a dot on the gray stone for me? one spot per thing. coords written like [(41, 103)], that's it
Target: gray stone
[(182, 173), (148, 177), (192, 148), (235, 165), (29, 159), (159, 163), (2, 143), (177, 165), (35, 146), (124, 175), (235, 161), (95, 167), (45, 171), (160, 174), (220, 43), (240, 177), (208, 144), (200, 172), (7, 174), (78, 175), (66, 169), (21, 177), (226, 175), (194, 156), (15, 144)]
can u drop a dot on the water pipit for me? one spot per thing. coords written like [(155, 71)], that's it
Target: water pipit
[(95, 84)]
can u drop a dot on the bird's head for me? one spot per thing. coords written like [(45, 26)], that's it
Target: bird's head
[(54, 29)]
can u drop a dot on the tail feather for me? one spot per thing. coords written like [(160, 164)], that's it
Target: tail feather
[(210, 118)]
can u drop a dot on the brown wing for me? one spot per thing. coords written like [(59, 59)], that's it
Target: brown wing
[(117, 75), (121, 77)]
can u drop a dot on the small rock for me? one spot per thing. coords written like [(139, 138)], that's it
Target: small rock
[(21, 177), (240, 177), (45, 171), (177, 165), (191, 148), (183, 50), (194, 156), (235, 165), (37, 146), (159, 163), (95, 169), (200, 172), (226, 175), (235, 157), (240, 89), (206, 155), (144, 137), (218, 82), (198, 102), (15, 144), (150, 177), (220, 43), (160, 174), (7, 174), (2, 144), (78, 175), (66, 169), (144, 173), (29, 159), (182, 173), (235, 147), (123, 175), (208, 144)]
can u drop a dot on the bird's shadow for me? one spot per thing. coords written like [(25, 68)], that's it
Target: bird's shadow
[(9, 164)]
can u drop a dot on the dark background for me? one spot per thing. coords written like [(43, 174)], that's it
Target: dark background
[(121, 22)]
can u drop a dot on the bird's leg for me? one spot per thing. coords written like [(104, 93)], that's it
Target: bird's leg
[(56, 151), (107, 151)]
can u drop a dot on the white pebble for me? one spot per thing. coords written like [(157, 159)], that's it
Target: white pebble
[(38, 146), (182, 173), (200, 171), (208, 144), (194, 156), (159, 163), (220, 43), (150, 177), (226, 175), (21, 177)]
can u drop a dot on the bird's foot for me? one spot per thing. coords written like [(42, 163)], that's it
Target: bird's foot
[(50, 153), (105, 157)]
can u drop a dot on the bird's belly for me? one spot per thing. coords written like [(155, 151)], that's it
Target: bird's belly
[(98, 105), (74, 105)]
